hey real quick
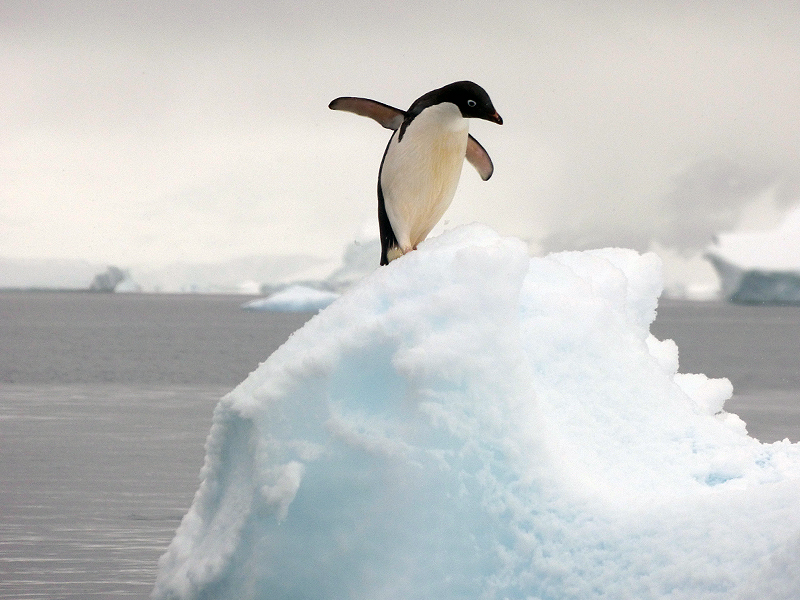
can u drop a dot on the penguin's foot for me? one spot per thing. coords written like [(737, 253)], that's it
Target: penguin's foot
[(394, 253)]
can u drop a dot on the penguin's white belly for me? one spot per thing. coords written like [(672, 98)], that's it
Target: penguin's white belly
[(420, 173)]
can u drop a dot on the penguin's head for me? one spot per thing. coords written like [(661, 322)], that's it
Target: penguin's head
[(470, 98)]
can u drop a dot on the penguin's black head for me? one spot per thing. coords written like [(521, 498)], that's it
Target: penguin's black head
[(471, 99)]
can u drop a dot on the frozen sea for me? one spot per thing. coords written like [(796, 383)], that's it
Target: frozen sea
[(106, 402)]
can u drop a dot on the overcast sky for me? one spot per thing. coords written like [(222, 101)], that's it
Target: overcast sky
[(134, 132)]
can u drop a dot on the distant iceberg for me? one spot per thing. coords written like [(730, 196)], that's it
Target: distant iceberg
[(471, 423), (107, 280), (294, 298), (756, 286), (127, 286), (359, 259), (760, 267), (114, 279)]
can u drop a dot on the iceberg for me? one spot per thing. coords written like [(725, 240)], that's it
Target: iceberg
[(294, 298), (760, 267), (469, 422), (756, 286), (108, 280)]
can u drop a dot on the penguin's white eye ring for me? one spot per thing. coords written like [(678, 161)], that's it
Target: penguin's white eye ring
[(472, 103)]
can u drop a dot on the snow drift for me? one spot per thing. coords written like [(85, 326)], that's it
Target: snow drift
[(471, 423)]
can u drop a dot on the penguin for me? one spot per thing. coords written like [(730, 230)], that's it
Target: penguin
[(422, 162)]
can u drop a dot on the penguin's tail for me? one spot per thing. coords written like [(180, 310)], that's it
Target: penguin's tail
[(390, 249)]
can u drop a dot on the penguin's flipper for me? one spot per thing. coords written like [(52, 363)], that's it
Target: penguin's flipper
[(479, 159), (388, 116)]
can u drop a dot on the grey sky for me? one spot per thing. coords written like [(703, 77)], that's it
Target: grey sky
[(152, 132)]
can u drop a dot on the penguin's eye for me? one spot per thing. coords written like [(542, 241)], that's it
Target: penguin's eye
[(472, 103)]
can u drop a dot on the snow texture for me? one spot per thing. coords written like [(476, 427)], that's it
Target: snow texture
[(294, 298), (470, 423)]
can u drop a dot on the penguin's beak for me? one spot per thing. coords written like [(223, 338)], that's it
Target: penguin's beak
[(495, 118)]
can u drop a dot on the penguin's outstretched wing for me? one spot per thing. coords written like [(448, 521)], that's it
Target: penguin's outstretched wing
[(479, 158), (388, 116), (391, 118)]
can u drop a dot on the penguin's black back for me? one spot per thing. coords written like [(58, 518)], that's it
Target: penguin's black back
[(388, 238)]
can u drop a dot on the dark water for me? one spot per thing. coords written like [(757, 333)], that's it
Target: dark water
[(105, 404), (106, 400), (756, 347), (135, 339)]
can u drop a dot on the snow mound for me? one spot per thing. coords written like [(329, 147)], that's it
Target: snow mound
[(294, 298), (467, 423)]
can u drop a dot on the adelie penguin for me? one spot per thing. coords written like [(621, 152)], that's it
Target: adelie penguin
[(422, 163)]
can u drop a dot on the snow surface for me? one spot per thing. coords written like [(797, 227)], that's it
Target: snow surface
[(294, 298), (468, 423)]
